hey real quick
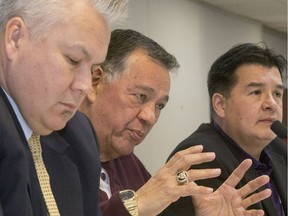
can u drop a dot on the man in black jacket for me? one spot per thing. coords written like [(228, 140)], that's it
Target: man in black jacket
[(246, 94)]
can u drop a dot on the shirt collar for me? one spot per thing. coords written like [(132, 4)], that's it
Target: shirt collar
[(263, 166)]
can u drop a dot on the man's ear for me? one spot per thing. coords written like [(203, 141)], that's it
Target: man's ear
[(219, 102), (97, 76), (14, 32)]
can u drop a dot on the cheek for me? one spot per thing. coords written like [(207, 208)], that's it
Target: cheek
[(280, 113), (124, 118), (280, 108), (235, 114), (242, 108)]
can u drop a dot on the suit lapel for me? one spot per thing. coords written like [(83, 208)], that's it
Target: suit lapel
[(19, 187), (64, 175)]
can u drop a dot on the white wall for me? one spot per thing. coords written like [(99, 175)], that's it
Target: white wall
[(196, 34)]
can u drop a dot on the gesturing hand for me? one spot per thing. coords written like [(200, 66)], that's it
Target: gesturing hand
[(229, 201), (162, 189)]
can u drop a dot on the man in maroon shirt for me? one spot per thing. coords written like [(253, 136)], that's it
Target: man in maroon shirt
[(129, 91)]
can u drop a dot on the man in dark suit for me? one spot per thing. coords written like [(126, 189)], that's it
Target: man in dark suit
[(44, 76), (246, 92)]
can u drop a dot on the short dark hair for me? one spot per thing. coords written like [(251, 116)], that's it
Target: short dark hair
[(124, 41), (222, 77)]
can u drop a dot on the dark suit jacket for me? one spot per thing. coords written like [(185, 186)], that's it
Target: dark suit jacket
[(228, 160), (72, 161)]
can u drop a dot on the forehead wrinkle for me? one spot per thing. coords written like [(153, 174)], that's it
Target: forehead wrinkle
[(259, 84)]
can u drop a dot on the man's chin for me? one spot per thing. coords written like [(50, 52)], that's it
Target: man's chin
[(57, 126), (127, 151), (268, 137)]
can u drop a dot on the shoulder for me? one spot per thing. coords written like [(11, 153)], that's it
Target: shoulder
[(278, 148), (9, 124), (79, 125), (7, 116), (79, 120), (80, 134), (204, 135)]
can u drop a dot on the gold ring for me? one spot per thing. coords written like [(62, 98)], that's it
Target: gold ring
[(182, 177)]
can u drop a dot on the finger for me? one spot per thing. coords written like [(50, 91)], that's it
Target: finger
[(198, 174), (238, 173), (253, 185), (257, 197), (254, 212), (192, 189), (184, 162), (178, 155)]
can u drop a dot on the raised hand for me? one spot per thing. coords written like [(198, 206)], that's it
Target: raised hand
[(229, 201), (163, 188)]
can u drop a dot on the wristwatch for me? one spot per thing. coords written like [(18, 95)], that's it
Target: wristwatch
[(129, 199)]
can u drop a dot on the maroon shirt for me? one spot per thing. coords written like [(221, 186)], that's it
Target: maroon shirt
[(125, 172)]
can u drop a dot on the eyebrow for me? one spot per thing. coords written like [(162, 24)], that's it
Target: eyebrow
[(85, 52), (148, 89), (82, 49), (258, 84)]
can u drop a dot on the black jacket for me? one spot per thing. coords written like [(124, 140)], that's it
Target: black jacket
[(227, 161), (72, 161)]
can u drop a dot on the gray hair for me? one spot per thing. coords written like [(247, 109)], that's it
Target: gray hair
[(41, 15), (123, 42)]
